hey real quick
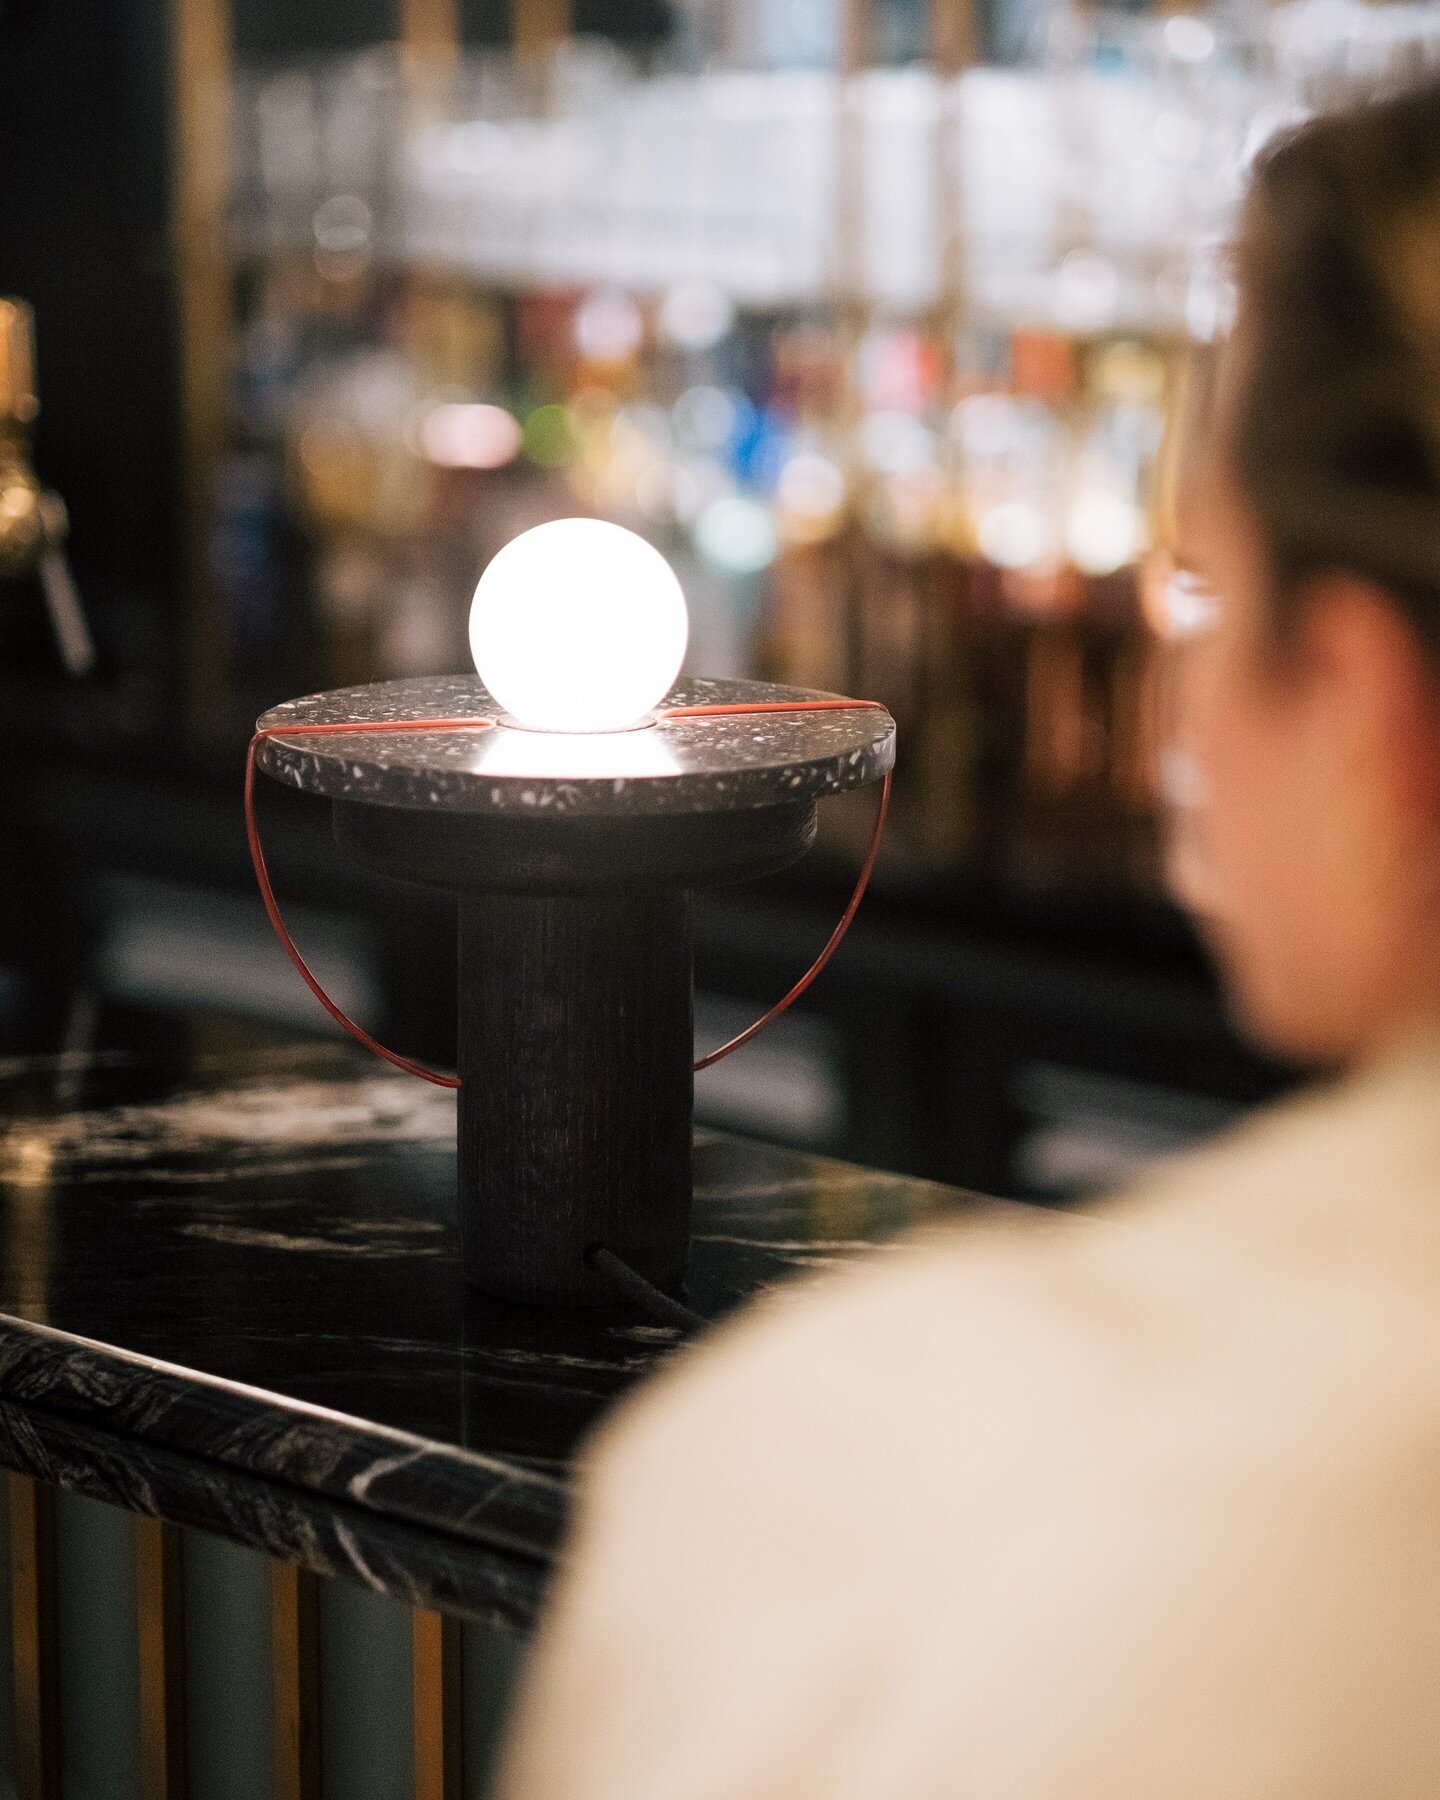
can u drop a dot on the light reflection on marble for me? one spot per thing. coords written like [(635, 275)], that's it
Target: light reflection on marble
[(586, 756)]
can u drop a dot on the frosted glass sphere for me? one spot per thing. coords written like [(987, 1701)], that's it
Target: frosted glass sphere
[(578, 625)]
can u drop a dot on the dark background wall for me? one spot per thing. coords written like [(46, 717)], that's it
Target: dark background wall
[(83, 236)]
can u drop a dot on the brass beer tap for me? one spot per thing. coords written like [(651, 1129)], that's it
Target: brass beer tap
[(33, 520)]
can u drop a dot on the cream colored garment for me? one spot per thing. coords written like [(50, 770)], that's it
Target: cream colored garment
[(1143, 1506)]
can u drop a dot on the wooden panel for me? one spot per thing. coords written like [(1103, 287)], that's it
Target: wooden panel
[(431, 28), (954, 34), (200, 60), (954, 45), (35, 1641), (537, 26), (854, 49), (439, 1729), (857, 35), (160, 1599), (295, 1626)]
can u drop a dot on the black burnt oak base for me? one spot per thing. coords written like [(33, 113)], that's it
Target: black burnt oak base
[(575, 1025), (576, 1034)]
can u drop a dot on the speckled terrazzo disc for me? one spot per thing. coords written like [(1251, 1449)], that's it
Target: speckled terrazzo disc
[(673, 766)]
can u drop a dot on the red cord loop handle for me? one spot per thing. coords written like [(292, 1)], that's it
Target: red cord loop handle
[(376, 1048)]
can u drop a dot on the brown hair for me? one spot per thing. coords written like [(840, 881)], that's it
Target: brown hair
[(1337, 421)]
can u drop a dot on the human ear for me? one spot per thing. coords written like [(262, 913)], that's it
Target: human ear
[(1376, 688)]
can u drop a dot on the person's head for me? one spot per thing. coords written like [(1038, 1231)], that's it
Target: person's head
[(1313, 709)]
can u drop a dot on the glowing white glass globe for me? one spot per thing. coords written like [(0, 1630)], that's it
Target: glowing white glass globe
[(578, 625)]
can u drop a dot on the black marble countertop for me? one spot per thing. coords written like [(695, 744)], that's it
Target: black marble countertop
[(230, 1294)]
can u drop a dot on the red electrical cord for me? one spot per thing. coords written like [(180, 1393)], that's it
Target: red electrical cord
[(361, 1036), (740, 707), (267, 893), (832, 943)]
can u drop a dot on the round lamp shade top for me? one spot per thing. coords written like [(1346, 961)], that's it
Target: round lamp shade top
[(578, 625), (709, 764)]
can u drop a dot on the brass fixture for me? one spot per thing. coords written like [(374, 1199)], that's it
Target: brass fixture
[(33, 520)]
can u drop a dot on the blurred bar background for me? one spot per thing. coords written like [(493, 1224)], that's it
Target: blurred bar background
[(876, 316)]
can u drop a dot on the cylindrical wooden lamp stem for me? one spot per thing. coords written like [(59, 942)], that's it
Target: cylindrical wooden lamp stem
[(575, 1051)]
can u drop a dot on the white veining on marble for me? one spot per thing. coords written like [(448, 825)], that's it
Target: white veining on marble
[(357, 1561), (64, 1062), (261, 1117), (383, 1465), (815, 1246), (149, 1175), (645, 1334), (251, 1237)]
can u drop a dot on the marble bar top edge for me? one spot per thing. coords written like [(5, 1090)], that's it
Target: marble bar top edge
[(409, 1564), (438, 1487)]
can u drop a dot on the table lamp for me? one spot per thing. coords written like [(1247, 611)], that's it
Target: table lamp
[(573, 794)]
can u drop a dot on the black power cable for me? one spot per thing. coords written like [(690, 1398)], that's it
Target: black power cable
[(640, 1292)]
